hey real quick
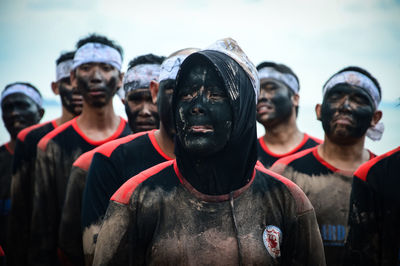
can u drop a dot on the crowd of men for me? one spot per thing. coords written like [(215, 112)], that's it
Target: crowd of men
[(186, 181)]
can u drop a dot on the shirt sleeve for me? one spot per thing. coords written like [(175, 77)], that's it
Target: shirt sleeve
[(70, 233), (44, 223), (20, 213), (362, 244), (103, 179)]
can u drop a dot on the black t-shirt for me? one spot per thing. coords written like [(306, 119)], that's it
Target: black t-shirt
[(108, 171), (374, 233), (158, 218), (328, 189), (21, 191), (6, 157), (55, 155), (268, 158)]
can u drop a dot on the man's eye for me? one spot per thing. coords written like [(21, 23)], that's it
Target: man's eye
[(106, 67)]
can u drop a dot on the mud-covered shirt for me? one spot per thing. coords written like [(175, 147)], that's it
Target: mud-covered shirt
[(268, 158), (70, 233), (6, 157), (55, 155), (374, 220), (21, 191), (328, 189), (158, 218)]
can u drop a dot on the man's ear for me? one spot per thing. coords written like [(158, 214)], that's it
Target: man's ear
[(121, 78), (318, 111), (296, 99), (376, 118), (73, 79), (54, 88), (41, 114), (154, 86)]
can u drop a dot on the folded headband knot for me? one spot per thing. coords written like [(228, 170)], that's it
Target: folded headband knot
[(286, 78), (24, 89), (97, 53)]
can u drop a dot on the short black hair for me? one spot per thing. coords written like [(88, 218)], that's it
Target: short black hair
[(99, 39), (278, 67), (359, 70), (22, 83), (65, 56), (146, 59)]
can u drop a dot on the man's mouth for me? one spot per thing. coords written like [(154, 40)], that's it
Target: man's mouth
[(264, 108), (97, 92), (343, 120), (202, 128)]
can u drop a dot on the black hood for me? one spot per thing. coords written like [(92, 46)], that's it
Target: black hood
[(233, 166)]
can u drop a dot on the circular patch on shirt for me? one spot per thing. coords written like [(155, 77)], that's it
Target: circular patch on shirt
[(272, 238)]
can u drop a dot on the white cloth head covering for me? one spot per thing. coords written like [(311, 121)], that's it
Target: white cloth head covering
[(362, 81), (170, 67), (97, 53), (24, 89), (63, 69), (272, 73), (231, 48)]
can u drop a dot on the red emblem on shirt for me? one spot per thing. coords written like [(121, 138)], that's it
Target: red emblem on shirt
[(272, 238)]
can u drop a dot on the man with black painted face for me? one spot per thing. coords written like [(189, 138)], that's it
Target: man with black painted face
[(142, 115), (212, 205), (115, 162), (21, 106), (24, 159), (277, 110), (96, 72), (348, 113)]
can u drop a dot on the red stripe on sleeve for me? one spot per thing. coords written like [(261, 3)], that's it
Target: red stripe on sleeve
[(364, 169), (43, 142), (109, 147), (124, 193), (23, 133)]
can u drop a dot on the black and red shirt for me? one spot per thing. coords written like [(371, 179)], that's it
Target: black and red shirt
[(328, 189), (55, 155), (268, 158), (374, 232), (22, 189), (6, 157), (158, 218)]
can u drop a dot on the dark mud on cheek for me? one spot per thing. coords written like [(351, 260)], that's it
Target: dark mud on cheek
[(66, 99), (283, 106)]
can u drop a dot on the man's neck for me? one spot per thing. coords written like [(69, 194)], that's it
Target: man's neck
[(11, 144), (284, 137), (165, 142), (65, 117), (344, 157), (98, 123)]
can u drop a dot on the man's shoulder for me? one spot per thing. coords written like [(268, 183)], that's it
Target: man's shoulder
[(300, 156), (38, 129), (55, 133)]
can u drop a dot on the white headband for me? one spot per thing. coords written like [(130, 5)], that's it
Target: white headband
[(360, 80), (97, 53), (230, 47), (140, 76), (356, 79), (24, 89), (170, 67), (63, 69), (288, 79)]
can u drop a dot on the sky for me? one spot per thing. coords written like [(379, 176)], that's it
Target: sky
[(316, 38)]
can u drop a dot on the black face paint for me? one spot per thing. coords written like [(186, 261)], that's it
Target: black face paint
[(141, 111), (97, 83), (19, 111), (203, 114), (70, 98), (346, 113), (164, 104), (274, 105)]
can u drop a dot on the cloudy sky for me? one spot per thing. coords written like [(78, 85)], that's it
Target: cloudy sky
[(315, 38)]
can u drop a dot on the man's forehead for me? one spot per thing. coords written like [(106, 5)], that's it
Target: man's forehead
[(267, 83), (17, 97), (97, 64)]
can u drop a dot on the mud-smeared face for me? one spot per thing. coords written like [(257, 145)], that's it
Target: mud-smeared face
[(19, 111), (164, 103), (71, 99), (274, 103), (203, 114), (97, 82), (346, 113), (141, 111)]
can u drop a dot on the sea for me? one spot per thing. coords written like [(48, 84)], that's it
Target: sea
[(306, 122)]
